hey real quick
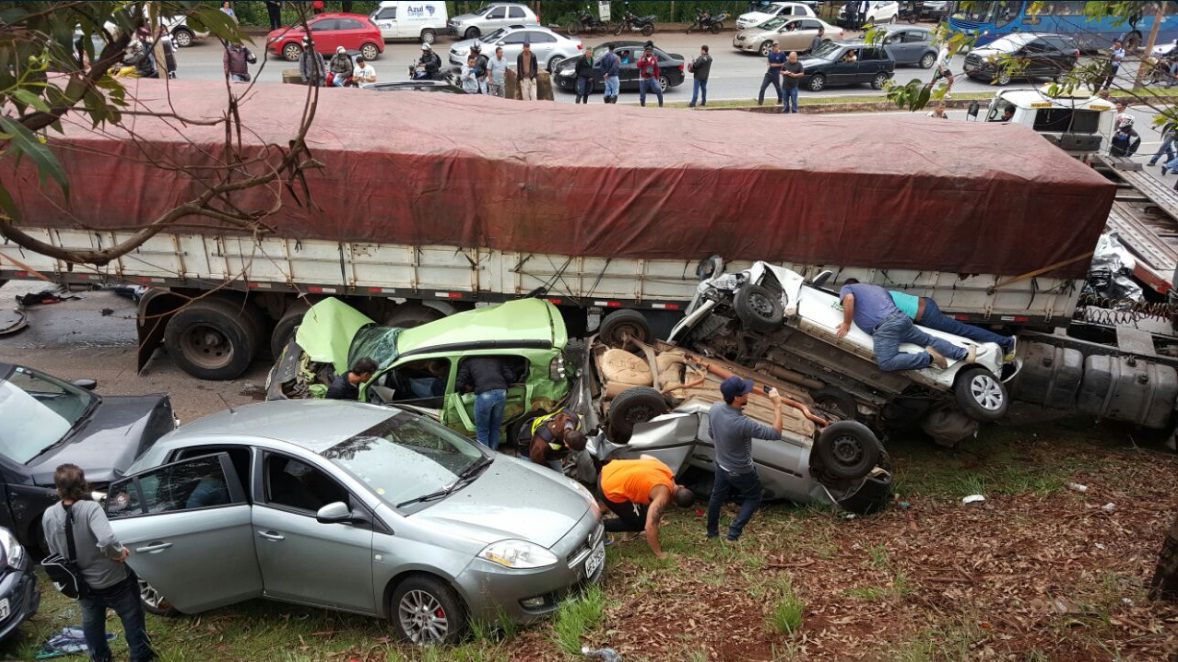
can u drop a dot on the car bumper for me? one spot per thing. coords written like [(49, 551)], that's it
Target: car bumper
[(492, 592), (19, 591)]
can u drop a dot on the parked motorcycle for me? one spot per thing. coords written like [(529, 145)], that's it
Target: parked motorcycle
[(632, 23), (704, 21), (587, 23), (1159, 70)]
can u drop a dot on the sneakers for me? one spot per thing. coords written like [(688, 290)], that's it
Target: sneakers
[(939, 359)]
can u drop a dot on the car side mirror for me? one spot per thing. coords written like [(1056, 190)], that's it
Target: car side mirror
[(822, 277), (336, 512), (88, 384)]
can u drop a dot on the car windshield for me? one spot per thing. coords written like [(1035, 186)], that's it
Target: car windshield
[(772, 24), (483, 10), (406, 457), (827, 51), (1009, 44), (38, 411), (495, 36)]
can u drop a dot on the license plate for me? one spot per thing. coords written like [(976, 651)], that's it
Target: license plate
[(596, 558), (4, 609)]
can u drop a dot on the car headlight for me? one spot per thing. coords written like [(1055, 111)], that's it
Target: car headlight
[(14, 552), (517, 554)]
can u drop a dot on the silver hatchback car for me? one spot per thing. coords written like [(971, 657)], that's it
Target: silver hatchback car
[(355, 507)]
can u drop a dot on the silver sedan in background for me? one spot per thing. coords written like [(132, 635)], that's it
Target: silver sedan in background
[(549, 47), (355, 507)]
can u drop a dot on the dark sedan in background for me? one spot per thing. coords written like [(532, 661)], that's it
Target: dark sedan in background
[(834, 64), (672, 67), (1023, 55), (45, 422)]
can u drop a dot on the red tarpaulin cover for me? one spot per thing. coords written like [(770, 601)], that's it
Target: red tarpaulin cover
[(895, 191)]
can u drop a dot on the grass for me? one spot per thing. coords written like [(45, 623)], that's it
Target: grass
[(577, 617), (785, 616)]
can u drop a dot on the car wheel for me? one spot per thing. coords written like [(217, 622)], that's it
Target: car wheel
[(428, 36), (817, 82), (154, 602), (631, 407), (847, 449), (647, 30), (425, 611), (759, 308), (213, 338), (879, 81), (835, 404), (285, 329), (470, 33), (927, 61), (409, 315), (183, 37), (664, 84), (981, 395), (554, 64), (370, 52), (1003, 78), (622, 324), (292, 52), (766, 47)]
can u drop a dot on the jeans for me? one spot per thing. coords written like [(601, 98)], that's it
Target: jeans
[(584, 87), (933, 318), (651, 84), (898, 329), (238, 78), (495, 89), (747, 486), (612, 85), (699, 90), (338, 80), (771, 78), (527, 89), (124, 599), (488, 416), (1167, 148), (791, 96)]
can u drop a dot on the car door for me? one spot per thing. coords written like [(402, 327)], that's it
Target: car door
[(325, 31), (385, 18), (787, 35), (196, 551), (459, 412), (871, 62), (352, 33), (301, 559), (841, 72), (513, 45), (495, 19), (628, 69), (543, 45), (517, 16)]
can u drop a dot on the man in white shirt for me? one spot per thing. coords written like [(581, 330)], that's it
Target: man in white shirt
[(941, 69), (497, 73), (363, 72)]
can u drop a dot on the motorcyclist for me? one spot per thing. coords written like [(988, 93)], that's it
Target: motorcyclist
[(480, 67), (340, 68), (430, 63), (1126, 140)]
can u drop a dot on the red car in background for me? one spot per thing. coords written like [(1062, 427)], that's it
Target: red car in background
[(355, 32)]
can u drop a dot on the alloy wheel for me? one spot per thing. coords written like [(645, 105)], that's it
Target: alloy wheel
[(422, 618)]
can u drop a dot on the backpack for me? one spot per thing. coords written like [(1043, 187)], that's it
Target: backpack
[(63, 571)]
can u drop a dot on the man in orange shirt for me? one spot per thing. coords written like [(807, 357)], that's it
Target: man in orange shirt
[(638, 491)]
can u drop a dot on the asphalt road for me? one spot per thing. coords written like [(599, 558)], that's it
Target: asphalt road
[(735, 75)]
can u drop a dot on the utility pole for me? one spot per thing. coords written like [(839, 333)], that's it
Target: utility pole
[(1158, 17)]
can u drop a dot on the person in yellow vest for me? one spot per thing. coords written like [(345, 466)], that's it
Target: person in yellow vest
[(638, 491), (553, 436)]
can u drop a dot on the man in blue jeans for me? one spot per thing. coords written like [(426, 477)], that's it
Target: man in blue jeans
[(488, 377), (925, 312), (701, 67), (772, 74), (732, 434), (792, 73), (648, 75), (871, 308), (610, 66)]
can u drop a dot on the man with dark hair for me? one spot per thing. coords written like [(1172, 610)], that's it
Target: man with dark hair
[(100, 557), (732, 435), (701, 68), (584, 74), (649, 76), (610, 66), (553, 436), (488, 377), (525, 68), (638, 491), (871, 309), (347, 385), (818, 39), (772, 74)]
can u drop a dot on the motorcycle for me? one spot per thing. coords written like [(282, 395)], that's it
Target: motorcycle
[(418, 71), (632, 23), (1159, 71), (704, 21), (587, 23)]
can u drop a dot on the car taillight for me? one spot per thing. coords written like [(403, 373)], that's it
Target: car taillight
[(681, 65), (580, 46)]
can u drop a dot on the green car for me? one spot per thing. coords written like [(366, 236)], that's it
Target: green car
[(418, 366)]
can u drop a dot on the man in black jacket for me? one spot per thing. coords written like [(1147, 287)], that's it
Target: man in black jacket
[(488, 377), (525, 69), (584, 72), (347, 385), (700, 68)]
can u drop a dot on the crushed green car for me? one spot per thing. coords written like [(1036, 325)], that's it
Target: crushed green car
[(418, 366)]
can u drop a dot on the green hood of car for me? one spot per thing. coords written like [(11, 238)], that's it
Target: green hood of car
[(327, 331)]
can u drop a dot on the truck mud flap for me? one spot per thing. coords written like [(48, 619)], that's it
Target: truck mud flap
[(155, 311)]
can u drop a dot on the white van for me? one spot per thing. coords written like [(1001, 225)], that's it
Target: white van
[(411, 20)]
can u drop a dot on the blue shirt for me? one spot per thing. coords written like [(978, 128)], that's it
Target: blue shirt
[(609, 64), (733, 434), (873, 304), (776, 58), (908, 304)]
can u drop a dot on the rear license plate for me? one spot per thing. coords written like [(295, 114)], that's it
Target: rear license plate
[(596, 558)]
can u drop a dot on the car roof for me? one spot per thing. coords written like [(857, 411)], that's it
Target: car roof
[(527, 320), (339, 14), (315, 425), (898, 28)]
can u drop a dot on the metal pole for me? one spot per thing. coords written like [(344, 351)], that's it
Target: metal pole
[(1149, 43)]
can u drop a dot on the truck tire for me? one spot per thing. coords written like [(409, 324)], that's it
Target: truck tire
[(836, 403), (620, 324), (847, 449), (212, 338), (981, 395), (631, 407), (285, 329), (759, 308), (409, 315)]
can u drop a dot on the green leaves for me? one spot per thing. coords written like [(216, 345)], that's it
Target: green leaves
[(26, 143)]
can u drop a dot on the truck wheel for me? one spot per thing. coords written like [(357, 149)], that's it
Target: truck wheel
[(759, 308), (981, 395), (212, 339), (847, 449), (409, 315), (631, 407), (428, 36), (285, 329), (620, 324), (836, 404)]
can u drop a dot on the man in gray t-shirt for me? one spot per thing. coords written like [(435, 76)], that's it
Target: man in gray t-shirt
[(732, 434)]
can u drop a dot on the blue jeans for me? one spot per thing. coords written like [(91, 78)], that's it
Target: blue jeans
[(124, 599), (651, 84), (771, 78), (790, 95), (584, 87), (488, 416), (699, 90), (898, 329), (933, 318), (1167, 148), (612, 85), (747, 486)]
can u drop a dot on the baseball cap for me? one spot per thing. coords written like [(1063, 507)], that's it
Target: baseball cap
[(734, 387)]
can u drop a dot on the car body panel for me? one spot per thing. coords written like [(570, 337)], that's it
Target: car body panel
[(442, 86), (908, 44), (546, 45), (407, 20), (499, 15), (327, 330), (19, 594), (878, 11), (777, 31), (1040, 55)]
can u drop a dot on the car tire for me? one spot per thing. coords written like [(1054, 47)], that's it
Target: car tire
[(631, 407), (428, 36), (213, 338), (664, 84), (981, 395), (847, 450), (766, 48), (292, 52), (879, 81), (409, 315), (817, 82), (285, 329), (370, 51), (835, 403), (183, 37), (1003, 78), (647, 30), (928, 60), (620, 324), (471, 33), (154, 602), (554, 64), (424, 610), (759, 308)]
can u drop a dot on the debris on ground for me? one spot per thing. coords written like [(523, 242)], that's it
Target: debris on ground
[(67, 641), (44, 297), (973, 498), (603, 654), (1077, 487)]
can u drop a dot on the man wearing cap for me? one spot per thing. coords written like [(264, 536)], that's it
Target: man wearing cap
[(648, 75), (340, 68), (638, 491), (525, 66), (732, 435)]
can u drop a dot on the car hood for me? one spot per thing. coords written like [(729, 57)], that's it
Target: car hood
[(119, 429), (463, 47), (327, 331), (510, 500), (808, 62), (754, 18), (465, 18)]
